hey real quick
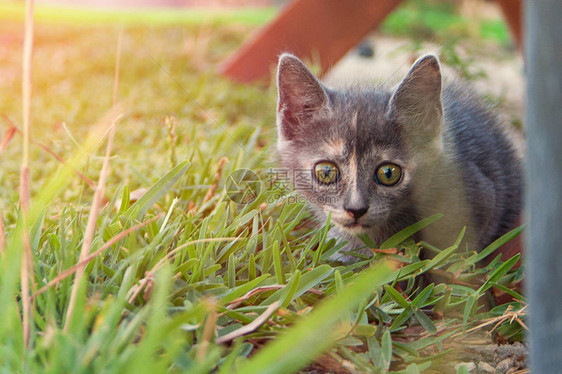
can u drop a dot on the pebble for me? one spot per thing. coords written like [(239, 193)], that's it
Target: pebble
[(471, 366), (484, 367), (364, 49), (504, 365)]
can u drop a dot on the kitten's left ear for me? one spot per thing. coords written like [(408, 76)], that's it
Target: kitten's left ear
[(417, 100), (301, 96)]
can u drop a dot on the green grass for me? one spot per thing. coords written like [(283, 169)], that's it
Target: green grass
[(53, 14), (438, 22), (195, 268)]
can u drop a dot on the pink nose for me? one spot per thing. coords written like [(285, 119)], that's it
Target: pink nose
[(356, 212)]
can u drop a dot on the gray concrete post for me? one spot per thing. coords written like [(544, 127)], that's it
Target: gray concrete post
[(543, 52)]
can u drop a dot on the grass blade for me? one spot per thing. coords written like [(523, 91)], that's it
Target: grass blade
[(422, 297), (159, 189), (375, 352), (231, 271), (500, 272), (509, 291), (396, 296), (311, 336), (252, 326), (468, 309), (402, 318), (243, 289), (307, 281), (386, 349), (400, 236), (366, 239), (443, 255), (279, 274), (425, 322), (290, 289), (496, 244)]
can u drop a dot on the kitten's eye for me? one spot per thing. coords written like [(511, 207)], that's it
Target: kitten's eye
[(326, 172), (388, 174)]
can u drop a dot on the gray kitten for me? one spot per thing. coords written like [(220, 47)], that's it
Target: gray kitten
[(379, 160)]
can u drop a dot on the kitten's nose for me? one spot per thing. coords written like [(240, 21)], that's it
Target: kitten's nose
[(357, 212)]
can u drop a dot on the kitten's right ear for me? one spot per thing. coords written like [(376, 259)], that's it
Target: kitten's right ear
[(301, 96), (417, 100)]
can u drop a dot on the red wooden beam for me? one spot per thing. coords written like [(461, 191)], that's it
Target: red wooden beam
[(322, 31), (512, 14)]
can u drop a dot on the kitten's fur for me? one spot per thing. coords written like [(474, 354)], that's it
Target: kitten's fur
[(454, 155)]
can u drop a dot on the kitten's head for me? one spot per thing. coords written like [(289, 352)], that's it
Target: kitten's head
[(352, 151)]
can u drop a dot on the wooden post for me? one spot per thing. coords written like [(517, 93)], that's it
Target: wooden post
[(512, 14), (319, 30)]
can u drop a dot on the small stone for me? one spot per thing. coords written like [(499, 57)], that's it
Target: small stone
[(470, 366), (484, 367), (504, 365), (364, 49)]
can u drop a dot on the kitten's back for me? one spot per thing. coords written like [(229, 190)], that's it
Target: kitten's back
[(487, 158)]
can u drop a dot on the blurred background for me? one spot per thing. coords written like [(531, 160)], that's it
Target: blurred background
[(172, 55)]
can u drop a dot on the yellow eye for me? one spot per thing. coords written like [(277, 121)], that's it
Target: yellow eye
[(388, 174), (326, 172)]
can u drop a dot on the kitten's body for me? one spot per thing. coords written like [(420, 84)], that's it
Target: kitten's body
[(453, 156)]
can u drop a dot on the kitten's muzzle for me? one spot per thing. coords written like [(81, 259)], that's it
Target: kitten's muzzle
[(356, 212)]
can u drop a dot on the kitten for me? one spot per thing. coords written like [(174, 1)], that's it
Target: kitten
[(378, 160)]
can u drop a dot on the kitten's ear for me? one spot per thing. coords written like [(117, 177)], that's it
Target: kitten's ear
[(417, 100), (301, 96)]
